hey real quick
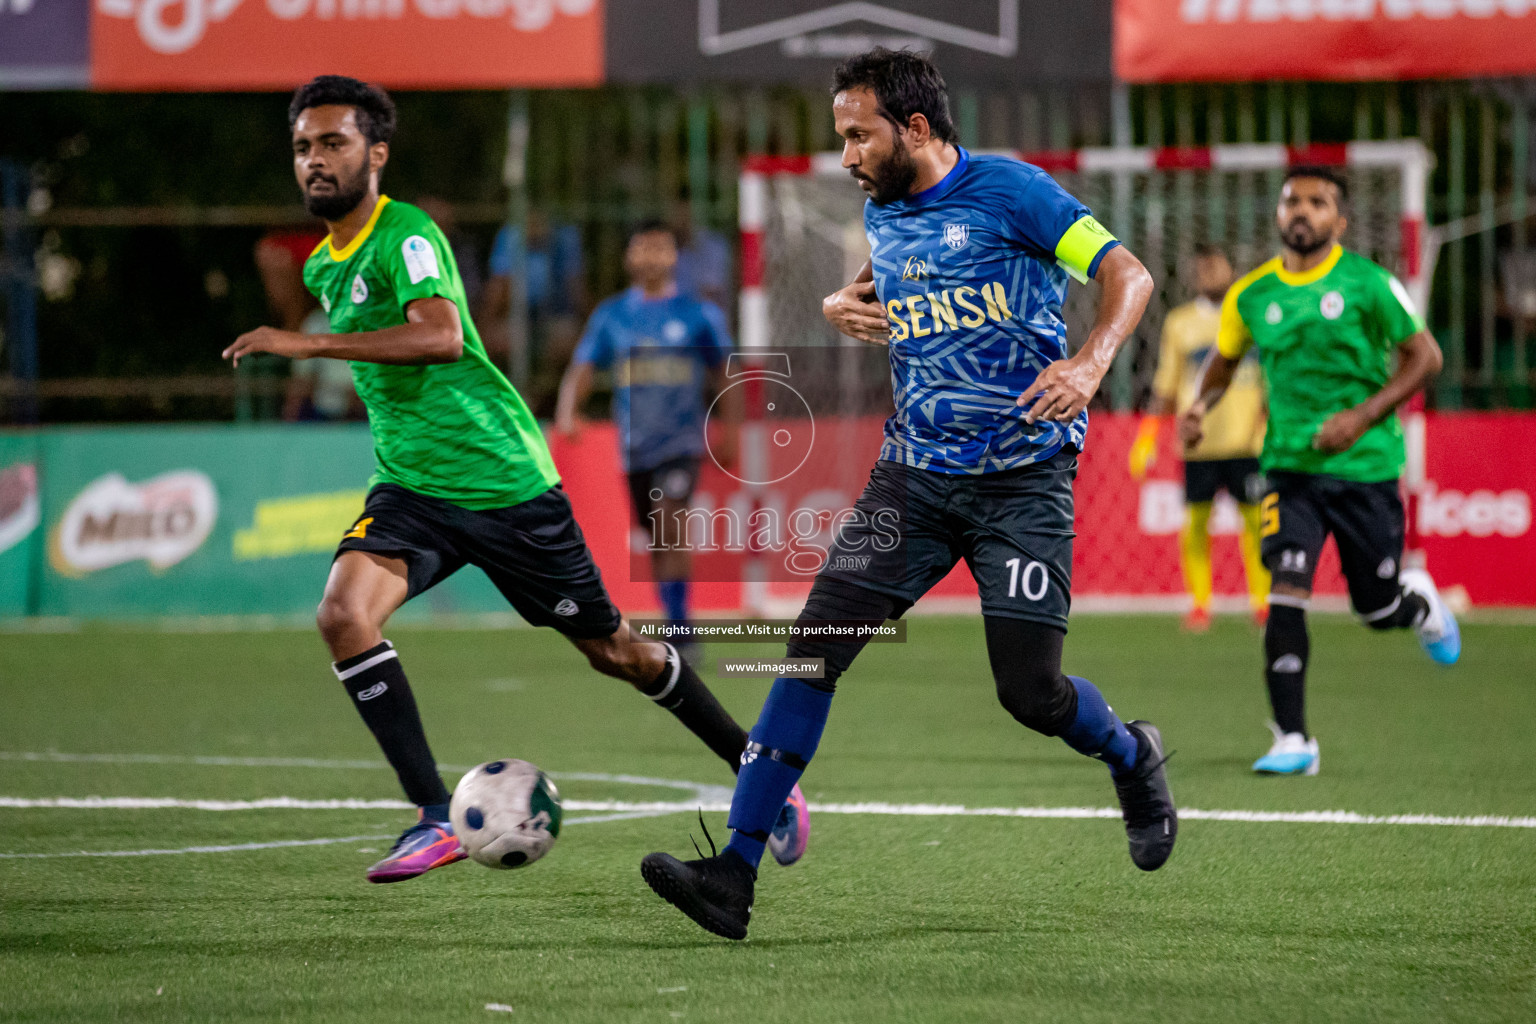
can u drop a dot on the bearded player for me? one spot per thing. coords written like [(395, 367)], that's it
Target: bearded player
[(970, 258), (1342, 348), (463, 475)]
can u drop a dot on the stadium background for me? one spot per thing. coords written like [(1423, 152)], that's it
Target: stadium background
[(143, 156)]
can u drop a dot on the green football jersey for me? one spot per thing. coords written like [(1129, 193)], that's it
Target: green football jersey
[(457, 431), (1326, 339)]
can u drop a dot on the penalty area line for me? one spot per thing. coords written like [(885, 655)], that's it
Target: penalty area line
[(617, 809)]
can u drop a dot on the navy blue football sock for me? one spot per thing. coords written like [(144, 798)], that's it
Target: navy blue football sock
[(1097, 731), (779, 747), (434, 812), (674, 599)]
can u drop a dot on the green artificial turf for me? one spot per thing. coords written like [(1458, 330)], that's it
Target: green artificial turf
[(889, 918)]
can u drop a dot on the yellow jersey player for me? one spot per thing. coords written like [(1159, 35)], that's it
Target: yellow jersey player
[(1227, 458)]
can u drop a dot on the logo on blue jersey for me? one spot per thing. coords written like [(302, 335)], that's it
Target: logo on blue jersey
[(915, 270), (957, 235), (918, 316)]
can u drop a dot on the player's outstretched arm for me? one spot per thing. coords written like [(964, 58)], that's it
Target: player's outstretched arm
[(856, 311), (1215, 377), (1418, 359), (1064, 388), (432, 333)]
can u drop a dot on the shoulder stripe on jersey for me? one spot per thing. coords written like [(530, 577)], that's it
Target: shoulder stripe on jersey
[(1081, 246), (1232, 336), (342, 255)]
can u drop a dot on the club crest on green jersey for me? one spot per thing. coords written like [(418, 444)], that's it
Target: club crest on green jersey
[(359, 290), (1273, 314), (1332, 306)]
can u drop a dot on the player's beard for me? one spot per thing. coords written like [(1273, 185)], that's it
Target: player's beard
[(893, 179), (349, 191), (1298, 238)]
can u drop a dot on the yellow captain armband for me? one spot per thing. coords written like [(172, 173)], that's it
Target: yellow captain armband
[(1080, 248)]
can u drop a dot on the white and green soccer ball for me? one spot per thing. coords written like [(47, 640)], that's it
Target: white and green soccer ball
[(506, 813)]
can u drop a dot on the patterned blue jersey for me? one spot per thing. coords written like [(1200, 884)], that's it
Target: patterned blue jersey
[(659, 351), (972, 273)]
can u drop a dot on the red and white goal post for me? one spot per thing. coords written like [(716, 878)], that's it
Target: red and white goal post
[(802, 237)]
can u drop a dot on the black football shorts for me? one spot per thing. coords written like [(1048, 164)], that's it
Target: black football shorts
[(674, 480), (1013, 528), (534, 553), (1241, 478), (1365, 519)]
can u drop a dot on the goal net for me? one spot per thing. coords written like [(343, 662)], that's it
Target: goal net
[(801, 220)]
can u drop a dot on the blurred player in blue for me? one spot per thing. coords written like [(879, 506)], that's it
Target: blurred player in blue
[(970, 257), (667, 353)]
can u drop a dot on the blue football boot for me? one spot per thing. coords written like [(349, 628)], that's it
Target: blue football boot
[(1438, 633)]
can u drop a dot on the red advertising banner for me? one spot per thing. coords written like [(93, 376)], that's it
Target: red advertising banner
[(1475, 519), (277, 44), (1475, 510), (1343, 40)]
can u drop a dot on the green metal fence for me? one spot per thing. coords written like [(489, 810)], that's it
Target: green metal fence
[(603, 159)]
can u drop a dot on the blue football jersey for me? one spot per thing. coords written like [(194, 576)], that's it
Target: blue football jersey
[(972, 273), (659, 351)]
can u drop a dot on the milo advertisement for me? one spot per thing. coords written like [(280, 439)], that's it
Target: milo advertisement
[(173, 521), (20, 513)]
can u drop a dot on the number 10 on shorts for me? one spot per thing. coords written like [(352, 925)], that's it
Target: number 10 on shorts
[(1034, 580)]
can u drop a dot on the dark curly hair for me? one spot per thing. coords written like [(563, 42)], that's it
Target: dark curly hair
[(375, 110), (904, 83), (1323, 172)]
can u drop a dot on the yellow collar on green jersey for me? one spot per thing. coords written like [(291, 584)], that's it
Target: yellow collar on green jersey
[(342, 255), (1317, 273)]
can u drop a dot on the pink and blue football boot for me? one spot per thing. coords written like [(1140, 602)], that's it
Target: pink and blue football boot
[(420, 848), (792, 830)]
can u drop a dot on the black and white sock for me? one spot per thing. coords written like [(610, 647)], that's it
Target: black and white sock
[(377, 684), (1286, 649), (1408, 609), (680, 690)]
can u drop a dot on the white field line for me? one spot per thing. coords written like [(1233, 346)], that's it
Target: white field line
[(708, 792), (632, 808), (237, 847), (276, 845)]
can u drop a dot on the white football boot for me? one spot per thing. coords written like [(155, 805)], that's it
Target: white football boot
[(1291, 754), (1438, 633)]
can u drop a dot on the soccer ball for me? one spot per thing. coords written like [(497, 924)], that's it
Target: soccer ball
[(506, 813)]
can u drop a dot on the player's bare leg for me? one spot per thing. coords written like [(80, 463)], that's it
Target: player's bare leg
[(363, 591), (662, 674), (659, 672)]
